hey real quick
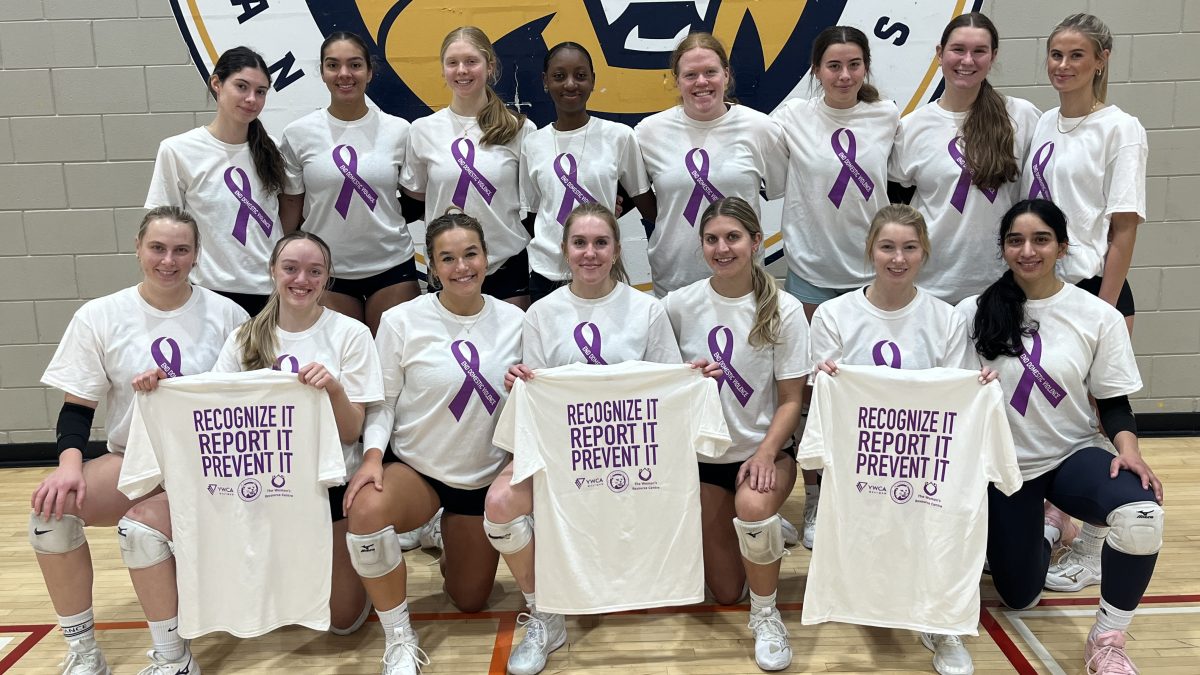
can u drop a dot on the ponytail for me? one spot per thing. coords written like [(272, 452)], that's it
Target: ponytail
[(268, 162), (767, 322), (1000, 319), (989, 137), (497, 124)]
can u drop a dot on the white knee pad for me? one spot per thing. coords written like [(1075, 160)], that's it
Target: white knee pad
[(375, 555), (761, 542), (56, 536), (509, 538), (142, 546), (1137, 528)]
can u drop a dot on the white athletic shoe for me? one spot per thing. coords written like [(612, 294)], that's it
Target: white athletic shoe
[(431, 533), (410, 540), (790, 536), (544, 633), (1073, 572), (85, 658), (184, 665), (810, 521), (771, 648), (404, 656), (950, 656)]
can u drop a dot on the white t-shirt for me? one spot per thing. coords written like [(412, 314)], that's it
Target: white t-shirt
[(616, 498), (715, 328), (692, 164), (443, 380), (926, 333), (588, 162), (836, 182), (1095, 169), (349, 173), (625, 325), (112, 339), (246, 459), (341, 344), (447, 162), (962, 219), (1081, 347), (239, 221), (903, 515)]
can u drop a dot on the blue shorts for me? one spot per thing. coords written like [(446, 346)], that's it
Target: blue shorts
[(807, 293)]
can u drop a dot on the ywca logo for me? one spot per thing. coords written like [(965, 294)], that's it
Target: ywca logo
[(860, 485), (630, 43), (212, 488), (579, 482), (902, 491)]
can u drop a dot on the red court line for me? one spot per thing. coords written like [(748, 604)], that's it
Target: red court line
[(1007, 647), (502, 646), (1152, 599), (36, 633)]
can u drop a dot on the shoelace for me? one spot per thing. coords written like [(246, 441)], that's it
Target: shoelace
[(952, 640), (1111, 659), (771, 624), (401, 648), (85, 659), (535, 628)]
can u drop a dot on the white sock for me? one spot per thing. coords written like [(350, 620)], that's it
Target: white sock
[(528, 600), (166, 638), (394, 618), (1090, 540), (761, 602), (81, 626), (1110, 618)]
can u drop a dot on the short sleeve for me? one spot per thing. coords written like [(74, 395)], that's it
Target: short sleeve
[(960, 351), (414, 175), (1114, 370), (1125, 177), (901, 167), (77, 367), (775, 160), (824, 342), (1000, 460), (377, 429), (230, 359), (140, 470), (292, 166), (530, 194), (165, 187), (532, 352), (631, 168), (331, 462), (791, 358), (811, 451), (710, 437), (661, 345), (362, 376)]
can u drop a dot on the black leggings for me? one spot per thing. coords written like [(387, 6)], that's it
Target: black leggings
[(1019, 555)]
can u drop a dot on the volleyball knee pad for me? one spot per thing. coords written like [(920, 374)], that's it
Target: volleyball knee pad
[(509, 538), (762, 541), (375, 555), (1137, 528), (142, 546), (56, 536)]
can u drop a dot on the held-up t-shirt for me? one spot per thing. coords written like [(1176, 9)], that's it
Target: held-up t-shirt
[(908, 457), (612, 453), (246, 459)]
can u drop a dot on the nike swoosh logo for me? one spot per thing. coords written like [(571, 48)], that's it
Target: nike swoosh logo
[(754, 534), (121, 531), (41, 532), (172, 630), (492, 536)]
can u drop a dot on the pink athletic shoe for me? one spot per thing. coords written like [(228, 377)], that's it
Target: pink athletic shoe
[(1105, 655)]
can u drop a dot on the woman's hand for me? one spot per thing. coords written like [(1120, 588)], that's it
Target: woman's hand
[(370, 473), (51, 495), (148, 381), (1131, 460), (987, 375), (828, 367), (519, 371), (759, 470), (316, 375)]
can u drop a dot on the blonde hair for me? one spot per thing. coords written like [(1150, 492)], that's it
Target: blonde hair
[(173, 213), (595, 210), (700, 40), (256, 339), (898, 214), (497, 123), (767, 322), (1094, 29)]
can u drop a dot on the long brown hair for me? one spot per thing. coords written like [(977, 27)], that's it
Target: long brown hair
[(767, 322), (268, 162), (987, 132), (256, 338), (497, 124)]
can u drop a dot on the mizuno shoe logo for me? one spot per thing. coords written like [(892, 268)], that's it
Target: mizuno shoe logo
[(1146, 514), (754, 535), (41, 532), (1074, 577)]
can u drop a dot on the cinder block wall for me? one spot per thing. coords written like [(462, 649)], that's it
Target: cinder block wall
[(88, 89)]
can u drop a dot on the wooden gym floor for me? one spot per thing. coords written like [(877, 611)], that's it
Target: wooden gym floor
[(702, 639)]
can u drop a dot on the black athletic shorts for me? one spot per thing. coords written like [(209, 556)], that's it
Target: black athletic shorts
[(1124, 300), (362, 289), (253, 304), (725, 475)]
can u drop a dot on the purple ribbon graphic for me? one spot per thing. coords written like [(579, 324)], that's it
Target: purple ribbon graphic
[(292, 362), (352, 182), (173, 366), (590, 349), (877, 354), (1040, 187), (703, 189), (468, 176), (473, 381), (1034, 374), (575, 194), (249, 206), (723, 357), (959, 199), (850, 169)]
